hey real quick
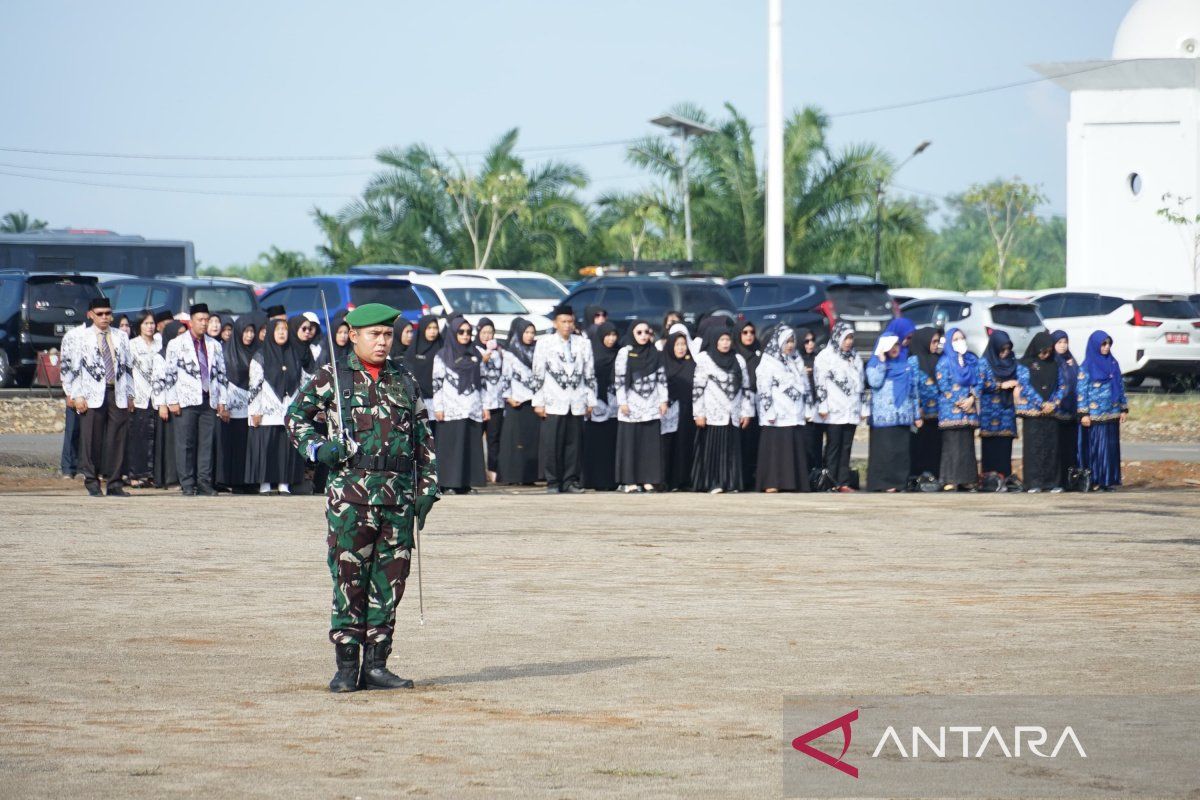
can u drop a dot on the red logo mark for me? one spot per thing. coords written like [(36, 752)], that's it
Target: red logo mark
[(801, 743)]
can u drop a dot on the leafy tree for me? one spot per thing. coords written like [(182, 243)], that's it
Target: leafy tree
[(19, 222), (1010, 211), (1177, 212)]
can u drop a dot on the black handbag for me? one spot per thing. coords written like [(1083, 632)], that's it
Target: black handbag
[(819, 480), (1013, 484), (1079, 479), (992, 482)]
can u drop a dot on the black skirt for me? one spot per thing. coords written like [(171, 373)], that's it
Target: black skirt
[(460, 454), (679, 448), (782, 459), (1040, 452), (600, 455), (639, 453), (139, 449), (492, 433), (718, 461), (233, 442), (1068, 449), (518, 457), (925, 449), (271, 458), (888, 458), (996, 454), (166, 474), (749, 437), (958, 467)]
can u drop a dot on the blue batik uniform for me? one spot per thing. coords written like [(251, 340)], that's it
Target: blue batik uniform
[(886, 410), (1031, 402), (1097, 398), (927, 390), (997, 411), (951, 392)]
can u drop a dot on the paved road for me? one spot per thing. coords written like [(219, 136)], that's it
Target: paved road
[(44, 449)]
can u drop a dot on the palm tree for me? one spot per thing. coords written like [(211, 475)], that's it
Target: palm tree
[(19, 222)]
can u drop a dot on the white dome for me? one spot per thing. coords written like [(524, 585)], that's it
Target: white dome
[(1159, 29)]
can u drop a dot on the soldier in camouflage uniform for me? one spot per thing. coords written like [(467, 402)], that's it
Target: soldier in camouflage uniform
[(378, 487)]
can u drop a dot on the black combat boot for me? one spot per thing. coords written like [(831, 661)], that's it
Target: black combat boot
[(346, 679), (375, 674)]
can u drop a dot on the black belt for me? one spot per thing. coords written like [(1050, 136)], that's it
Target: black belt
[(381, 463)]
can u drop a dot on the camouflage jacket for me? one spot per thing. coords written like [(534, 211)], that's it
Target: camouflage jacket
[(382, 416)]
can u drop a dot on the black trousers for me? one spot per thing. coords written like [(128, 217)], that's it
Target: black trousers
[(491, 432), (840, 439), (195, 428), (562, 435), (102, 433), (69, 461)]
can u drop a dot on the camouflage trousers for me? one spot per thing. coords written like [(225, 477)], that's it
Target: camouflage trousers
[(369, 559)]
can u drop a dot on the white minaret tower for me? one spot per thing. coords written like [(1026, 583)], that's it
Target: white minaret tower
[(1133, 136)]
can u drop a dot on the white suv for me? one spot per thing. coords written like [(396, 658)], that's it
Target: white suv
[(538, 291), (1154, 335), (474, 299)]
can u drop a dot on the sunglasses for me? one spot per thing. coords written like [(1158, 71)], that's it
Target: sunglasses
[(641, 332), (464, 331), (102, 313)]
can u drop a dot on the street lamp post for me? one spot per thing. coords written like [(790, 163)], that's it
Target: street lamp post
[(879, 188), (684, 128)]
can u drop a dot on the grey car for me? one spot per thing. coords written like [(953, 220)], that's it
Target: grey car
[(978, 317)]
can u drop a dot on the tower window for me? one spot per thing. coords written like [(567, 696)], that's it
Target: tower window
[(1134, 181)]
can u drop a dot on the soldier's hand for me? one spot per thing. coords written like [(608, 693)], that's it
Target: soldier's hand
[(422, 505), (331, 454)]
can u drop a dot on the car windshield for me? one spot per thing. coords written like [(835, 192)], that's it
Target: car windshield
[(396, 295), (1016, 316), (482, 300), (533, 288), (700, 297), (61, 293), (872, 301), (227, 299), (1165, 309)]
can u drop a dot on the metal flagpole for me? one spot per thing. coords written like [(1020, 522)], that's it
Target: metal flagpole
[(774, 234)]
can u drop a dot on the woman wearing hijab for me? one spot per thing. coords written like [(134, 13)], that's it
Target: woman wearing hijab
[(593, 317), (784, 403), (997, 409), (722, 405), (600, 429), (678, 425), (895, 408), (341, 340), (139, 450), (958, 413), (491, 368), (1068, 419), (275, 378), (166, 473), (925, 455), (458, 409), (519, 438), (838, 375), (640, 378), (233, 437), (1041, 386), (1100, 398), (746, 345), (670, 320), (402, 339), (427, 343), (814, 430), (300, 337)]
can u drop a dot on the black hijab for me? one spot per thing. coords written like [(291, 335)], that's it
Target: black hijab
[(419, 355), (604, 358), (680, 371), (340, 351), (726, 362), (303, 351), (238, 355), (1043, 373), (523, 352), (922, 340), (460, 359), (752, 352), (589, 313), (1005, 368), (259, 320), (399, 349), (643, 359), (169, 332), (483, 322), (281, 363)]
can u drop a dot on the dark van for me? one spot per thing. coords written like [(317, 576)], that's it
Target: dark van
[(36, 309)]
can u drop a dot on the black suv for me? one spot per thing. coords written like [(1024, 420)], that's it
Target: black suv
[(228, 298), (36, 309), (816, 302), (631, 298)]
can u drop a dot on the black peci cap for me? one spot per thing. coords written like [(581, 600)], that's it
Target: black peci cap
[(99, 302), (275, 311), (163, 315), (198, 308), (561, 309)]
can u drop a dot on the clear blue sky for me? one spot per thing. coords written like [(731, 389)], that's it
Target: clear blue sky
[(307, 78)]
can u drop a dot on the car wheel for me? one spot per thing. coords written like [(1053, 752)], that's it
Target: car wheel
[(1134, 381), (1178, 383), (6, 377)]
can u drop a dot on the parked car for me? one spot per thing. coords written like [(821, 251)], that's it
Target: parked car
[(390, 270), (448, 295), (1154, 335), (903, 295), (539, 292), (824, 299), (228, 298), (978, 317), (36, 309), (631, 298), (343, 292)]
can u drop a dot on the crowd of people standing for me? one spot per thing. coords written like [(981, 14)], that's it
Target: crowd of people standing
[(201, 404)]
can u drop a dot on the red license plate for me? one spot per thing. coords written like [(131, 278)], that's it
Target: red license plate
[(1177, 338)]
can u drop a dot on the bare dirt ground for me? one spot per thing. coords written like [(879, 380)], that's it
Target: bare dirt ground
[(592, 646)]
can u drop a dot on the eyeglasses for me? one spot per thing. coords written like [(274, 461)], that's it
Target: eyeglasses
[(464, 331), (641, 332), (102, 313)]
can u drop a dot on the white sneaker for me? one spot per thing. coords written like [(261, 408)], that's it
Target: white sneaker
[(264, 488), (283, 489), (718, 490)]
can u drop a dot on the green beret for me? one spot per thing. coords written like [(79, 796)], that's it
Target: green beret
[(371, 314)]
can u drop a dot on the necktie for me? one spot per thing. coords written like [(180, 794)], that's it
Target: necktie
[(106, 356), (202, 359)]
